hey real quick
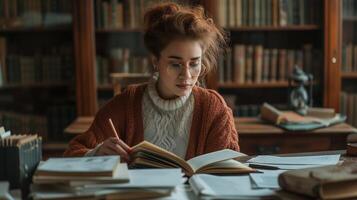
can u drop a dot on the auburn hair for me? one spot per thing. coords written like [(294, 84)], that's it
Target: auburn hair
[(166, 22)]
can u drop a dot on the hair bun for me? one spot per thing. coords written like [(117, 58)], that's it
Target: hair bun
[(158, 13)]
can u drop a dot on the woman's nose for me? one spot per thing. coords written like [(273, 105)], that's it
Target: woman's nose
[(185, 72)]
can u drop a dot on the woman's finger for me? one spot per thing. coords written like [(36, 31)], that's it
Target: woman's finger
[(119, 150), (121, 143)]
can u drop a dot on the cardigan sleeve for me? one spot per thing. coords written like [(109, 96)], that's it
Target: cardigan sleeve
[(100, 129), (222, 133)]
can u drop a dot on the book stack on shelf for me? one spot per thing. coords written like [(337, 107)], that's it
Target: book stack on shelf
[(120, 60), (253, 13), (268, 39), (257, 64), (34, 13), (117, 14), (51, 65), (349, 58), (348, 95), (36, 66), (348, 102), (119, 41)]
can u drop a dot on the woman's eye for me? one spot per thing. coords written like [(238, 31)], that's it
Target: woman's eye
[(175, 65), (194, 64)]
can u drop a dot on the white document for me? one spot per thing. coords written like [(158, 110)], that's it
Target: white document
[(148, 178), (267, 179), (226, 187), (297, 160), (280, 166)]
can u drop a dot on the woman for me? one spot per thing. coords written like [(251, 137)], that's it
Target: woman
[(170, 111)]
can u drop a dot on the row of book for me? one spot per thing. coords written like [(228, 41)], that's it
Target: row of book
[(117, 14), (44, 65), (19, 155), (119, 61), (59, 116), (50, 127), (24, 123), (348, 107), (256, 64), (29, 13), (349, 58), (349, 8), (236, 13)]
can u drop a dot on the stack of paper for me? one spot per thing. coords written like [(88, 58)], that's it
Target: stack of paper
[(227, 187), (101, 178), (77, 171), (294, 162)]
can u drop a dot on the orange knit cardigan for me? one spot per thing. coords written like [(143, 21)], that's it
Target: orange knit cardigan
[(212, 123)]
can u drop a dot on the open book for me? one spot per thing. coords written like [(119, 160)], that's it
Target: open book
[(316, 118), (149, 155)]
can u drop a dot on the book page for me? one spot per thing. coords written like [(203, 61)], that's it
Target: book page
[(200, 161), (297, 160)]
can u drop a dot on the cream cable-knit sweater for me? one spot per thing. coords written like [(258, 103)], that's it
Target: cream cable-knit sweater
[(167, 123)]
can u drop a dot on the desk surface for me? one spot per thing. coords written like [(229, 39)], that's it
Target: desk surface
[(248, 125), (244, 126)]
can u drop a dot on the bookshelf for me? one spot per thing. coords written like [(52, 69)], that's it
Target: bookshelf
[(348, 94), (264, 47), (315, 33), (37, 66)]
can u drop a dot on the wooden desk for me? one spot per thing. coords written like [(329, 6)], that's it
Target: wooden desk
[(257, 137)]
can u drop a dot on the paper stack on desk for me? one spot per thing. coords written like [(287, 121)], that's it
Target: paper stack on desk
[(101, 177), (292, 162), (227, 187)]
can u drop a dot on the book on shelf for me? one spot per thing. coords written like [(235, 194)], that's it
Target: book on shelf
[(257, 64), (34, 13), (293, 121), (348, 106), (255, 13), (218, 162), (326, 182)]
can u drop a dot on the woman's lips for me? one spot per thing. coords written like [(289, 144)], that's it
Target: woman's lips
[(184, 86)]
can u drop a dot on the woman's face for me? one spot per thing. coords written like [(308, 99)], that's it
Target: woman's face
[(179, 67)]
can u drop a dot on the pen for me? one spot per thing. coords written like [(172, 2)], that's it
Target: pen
[(262, 166), (113, 128)]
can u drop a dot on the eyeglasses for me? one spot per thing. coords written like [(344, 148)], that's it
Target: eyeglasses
[(177, 69)]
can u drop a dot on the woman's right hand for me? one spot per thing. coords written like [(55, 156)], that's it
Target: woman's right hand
[(114, 146)]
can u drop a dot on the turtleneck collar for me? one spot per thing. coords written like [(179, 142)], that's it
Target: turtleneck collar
[(161, 103)]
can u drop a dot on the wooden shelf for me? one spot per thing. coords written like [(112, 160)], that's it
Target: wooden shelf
[(349, 75), (105, 87), (80, 125), (33, 85), (122, 30), (350, 19), (276, 28), (51, 146), (35, 29), (280, 84)]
